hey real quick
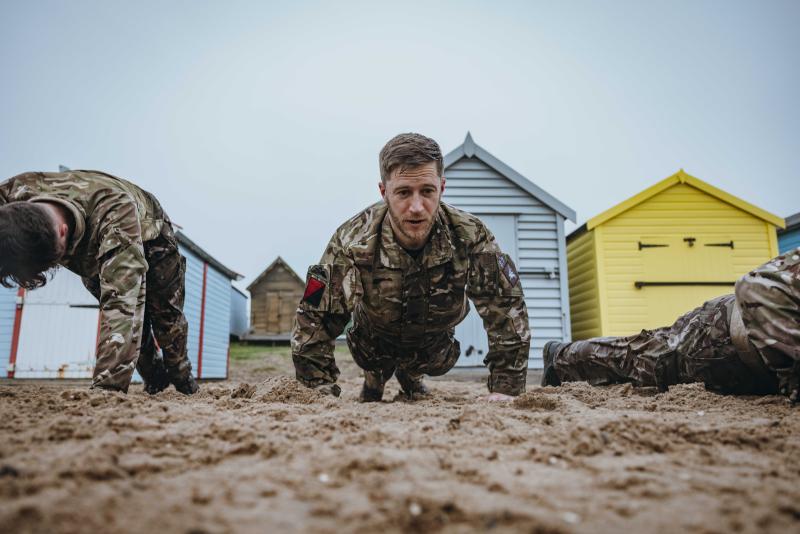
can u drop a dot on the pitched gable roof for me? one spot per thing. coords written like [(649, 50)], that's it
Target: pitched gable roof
[(205, 256), (278, 262), (682, 177), (470, 149)]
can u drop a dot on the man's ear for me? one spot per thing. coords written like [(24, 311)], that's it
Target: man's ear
[(63, 231), (442, 190), (382, 189)]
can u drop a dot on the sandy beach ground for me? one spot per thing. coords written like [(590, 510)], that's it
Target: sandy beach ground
[(259, 453)]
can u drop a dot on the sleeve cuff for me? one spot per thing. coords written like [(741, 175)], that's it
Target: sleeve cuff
[(507, 383)]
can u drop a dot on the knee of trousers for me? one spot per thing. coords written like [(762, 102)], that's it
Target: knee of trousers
[(438, 362)]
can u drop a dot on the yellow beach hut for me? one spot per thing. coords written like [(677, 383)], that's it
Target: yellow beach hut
[(651, 258)]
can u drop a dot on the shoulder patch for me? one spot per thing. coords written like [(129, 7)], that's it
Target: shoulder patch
[(507, 268), (315, 288)]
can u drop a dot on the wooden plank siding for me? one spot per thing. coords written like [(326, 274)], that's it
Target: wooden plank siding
[(790, 240), (193, 303), (216, 324), (273, 302), (8, 308), (583, 287), (679, 212), (474, 186)]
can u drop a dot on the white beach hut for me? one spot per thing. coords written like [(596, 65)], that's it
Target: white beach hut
[(51, 332), (528, 223)]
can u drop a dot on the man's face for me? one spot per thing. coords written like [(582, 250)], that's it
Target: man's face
[(413, 198)]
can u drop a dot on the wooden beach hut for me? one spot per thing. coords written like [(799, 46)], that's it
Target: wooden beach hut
[(648, 260), (528, 223), (274, 296)]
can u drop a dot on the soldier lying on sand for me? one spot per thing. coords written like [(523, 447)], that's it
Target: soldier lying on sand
[(403, 269), (119, 240), (746, 343)]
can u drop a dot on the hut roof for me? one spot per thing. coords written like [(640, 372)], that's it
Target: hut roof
[(242, 293), (195, 248), (793, 222), (470, 149), (682, 177), (278, 261)]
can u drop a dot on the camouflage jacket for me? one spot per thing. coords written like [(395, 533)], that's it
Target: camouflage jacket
[(112, 218), (366, 274), (769, 300)]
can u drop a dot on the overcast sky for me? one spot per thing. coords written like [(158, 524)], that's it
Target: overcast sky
[(258, 124)]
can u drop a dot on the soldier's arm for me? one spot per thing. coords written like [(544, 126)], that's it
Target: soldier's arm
[(122, 274), (494, 287), (321, 317)]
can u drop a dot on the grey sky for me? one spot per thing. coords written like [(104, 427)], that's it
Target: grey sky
[(258, 125)]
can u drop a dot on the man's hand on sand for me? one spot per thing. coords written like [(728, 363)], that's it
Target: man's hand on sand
[(498, 397)]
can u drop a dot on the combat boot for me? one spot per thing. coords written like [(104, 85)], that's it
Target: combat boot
[(412, 385), (374, 382), (187, 386), (157, 379), (549, 374)]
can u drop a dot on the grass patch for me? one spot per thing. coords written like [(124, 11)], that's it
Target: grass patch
[(244, 351)]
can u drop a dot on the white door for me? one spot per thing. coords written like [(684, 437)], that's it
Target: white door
[(470, 333), (58, 332)]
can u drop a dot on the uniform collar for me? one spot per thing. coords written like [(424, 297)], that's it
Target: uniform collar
[(390, 253), (438, 249), (78, 219)]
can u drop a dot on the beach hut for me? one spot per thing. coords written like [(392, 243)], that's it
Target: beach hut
[(51, 332), (239, 318), (789, 237), (207, 308), (8, 313), (528, 223), (646, 261), (274, 296)]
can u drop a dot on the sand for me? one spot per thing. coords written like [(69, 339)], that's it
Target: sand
[(259, 453)]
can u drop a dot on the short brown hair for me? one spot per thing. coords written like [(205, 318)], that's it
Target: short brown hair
[(28, 245), (409, 150)]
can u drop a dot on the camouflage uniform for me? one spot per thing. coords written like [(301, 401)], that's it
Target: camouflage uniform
[(747, 343), (123, 247), (405, 310)]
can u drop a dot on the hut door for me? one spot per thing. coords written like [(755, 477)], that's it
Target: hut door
[(273, 312), (683, 274), (280, 311), (289, 300), (58, 333), (470, 333)]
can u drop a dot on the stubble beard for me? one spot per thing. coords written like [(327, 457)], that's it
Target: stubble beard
[(413, 240)]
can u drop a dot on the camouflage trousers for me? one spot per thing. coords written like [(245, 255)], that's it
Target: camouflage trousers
[(703, 345), (164, 325), (433, 357)]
